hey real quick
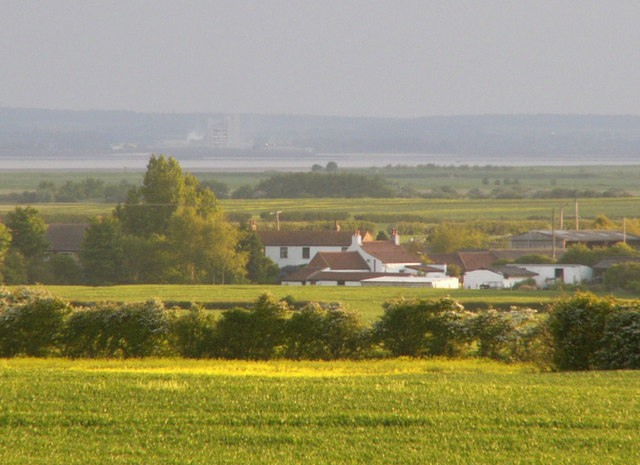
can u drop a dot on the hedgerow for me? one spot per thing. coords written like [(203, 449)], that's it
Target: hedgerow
[(582, 332)]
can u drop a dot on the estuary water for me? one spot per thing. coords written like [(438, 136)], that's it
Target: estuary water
[(256, 161)]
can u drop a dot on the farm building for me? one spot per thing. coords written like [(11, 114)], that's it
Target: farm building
[(549, 274), (496, 277), (544, 275), (65, 238), (370, 263), (543, 238)]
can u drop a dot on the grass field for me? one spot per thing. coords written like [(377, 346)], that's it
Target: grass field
[(366, 301), (375, 412), (431, 209)]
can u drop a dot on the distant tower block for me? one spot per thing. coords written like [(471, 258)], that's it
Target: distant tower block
[(224, 133)]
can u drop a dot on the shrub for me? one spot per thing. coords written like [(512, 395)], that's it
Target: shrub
[(620, 345), (31, 322), (323, 333), (251, 334), (420, 327), (514, 335), (192, 335), (577, 328), (111, 330)]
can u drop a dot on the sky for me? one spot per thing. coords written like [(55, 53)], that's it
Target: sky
[(375, 58)]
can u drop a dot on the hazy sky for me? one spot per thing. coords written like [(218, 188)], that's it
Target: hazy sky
[(346, 57)]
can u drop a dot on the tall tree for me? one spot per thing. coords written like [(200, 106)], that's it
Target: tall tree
[(5, 241), (102, 252), (260, 269), (204, 248), (27, 232), (165, 188)]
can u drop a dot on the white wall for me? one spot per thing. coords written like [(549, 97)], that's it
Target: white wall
[(476, 278), (295, 254), (573, 274)]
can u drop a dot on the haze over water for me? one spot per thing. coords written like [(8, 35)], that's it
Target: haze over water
[(295, 162)]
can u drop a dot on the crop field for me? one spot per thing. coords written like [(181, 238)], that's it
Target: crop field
[(366, 301), (430, 209), (371, 412)]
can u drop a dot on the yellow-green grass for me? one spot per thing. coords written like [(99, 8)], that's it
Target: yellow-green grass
[(371, 412), (431, 209), (366, 301)]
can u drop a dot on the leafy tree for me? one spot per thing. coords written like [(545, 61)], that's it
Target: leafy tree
[(102, 252), (165, 188), (27, 232), (448, 238), (260, 269), (204, 249), (623, 276), (602, 222), (332, 166), (5, 241)]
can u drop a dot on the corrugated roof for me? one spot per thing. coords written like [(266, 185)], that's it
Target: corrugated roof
[(509, 271), (339, 261), (305, 238), (65, 237), (583, 235), (388, 252)]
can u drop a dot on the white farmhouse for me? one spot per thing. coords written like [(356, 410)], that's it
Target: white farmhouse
[(295, 248)]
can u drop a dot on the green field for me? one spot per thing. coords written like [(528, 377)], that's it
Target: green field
[(376, 412), (430, 209), (366, 301)]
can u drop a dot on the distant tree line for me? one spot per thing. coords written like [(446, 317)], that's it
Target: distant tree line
[(582, 332), (169, 230), (88, 189)]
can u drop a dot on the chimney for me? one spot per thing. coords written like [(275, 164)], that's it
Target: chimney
[(356, 239), (252, 225), (336, 226), (395, 238)]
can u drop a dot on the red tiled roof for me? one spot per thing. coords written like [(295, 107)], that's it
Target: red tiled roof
[(65, 237), (339, 261), (467, 261), (305, 238), (388, 252), (320, 275)]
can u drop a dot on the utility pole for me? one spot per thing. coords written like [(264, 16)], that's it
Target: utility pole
[(576, 208), (553, 234), (277, 219)]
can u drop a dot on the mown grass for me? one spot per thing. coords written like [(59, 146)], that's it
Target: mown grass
[(374, 412), (366, 301)]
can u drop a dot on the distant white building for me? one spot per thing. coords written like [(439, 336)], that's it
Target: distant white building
[(544, 275), (549, 274), (370, 263), (496, 277)]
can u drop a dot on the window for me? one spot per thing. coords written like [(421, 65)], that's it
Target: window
[(284, 252), (306, 253), (340, 283)]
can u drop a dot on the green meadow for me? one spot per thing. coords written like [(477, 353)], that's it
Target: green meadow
[(434, 210), (366, 301), (372, 412)]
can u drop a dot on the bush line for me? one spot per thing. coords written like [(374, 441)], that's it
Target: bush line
[(582, 332)]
